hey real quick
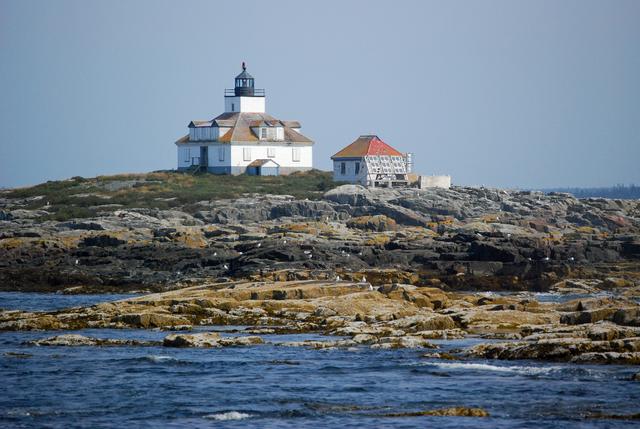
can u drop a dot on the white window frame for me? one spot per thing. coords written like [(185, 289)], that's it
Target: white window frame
[(271, 152), (295, 154), (220, 154), (263, 133), (246, 153)]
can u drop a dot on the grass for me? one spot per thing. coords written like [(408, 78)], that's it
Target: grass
[(81, 197)]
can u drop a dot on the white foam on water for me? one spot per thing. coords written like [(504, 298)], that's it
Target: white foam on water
[(159, 358), (526, 370), (229, 415)]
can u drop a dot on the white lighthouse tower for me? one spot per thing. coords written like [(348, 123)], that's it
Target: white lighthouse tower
[(244, 97), (245, 139)]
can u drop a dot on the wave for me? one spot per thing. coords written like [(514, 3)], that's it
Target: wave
[(229, 415), (159, 358), (525, 370)]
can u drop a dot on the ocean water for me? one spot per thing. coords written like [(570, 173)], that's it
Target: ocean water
[(271, 386), (50, 302)]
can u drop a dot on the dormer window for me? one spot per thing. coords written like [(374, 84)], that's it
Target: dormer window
[(263, 133)]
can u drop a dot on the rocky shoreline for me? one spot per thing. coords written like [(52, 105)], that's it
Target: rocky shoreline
[(591, 330), (456, 239), (376, 268)]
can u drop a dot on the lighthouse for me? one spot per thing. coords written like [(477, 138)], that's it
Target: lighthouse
[(245, 139)]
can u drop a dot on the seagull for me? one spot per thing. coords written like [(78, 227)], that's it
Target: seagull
[(571, 258), (364, 279), (337, 278), (360, 253), (225, 266), (306, 252), (546, 258), (370, 287), (284, 242), (215, 253), (310, 256), (259, 244), (240, 253), (508, 235), (77, 261)]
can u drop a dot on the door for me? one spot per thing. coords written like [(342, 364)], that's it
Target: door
[(204, 156)]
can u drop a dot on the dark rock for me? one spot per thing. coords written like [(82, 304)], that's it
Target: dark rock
[(102, 241), (627, 316)]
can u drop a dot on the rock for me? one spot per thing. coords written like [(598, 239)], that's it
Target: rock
[(205, 339), (102, 241), (151, 320), (445, 412), (632, 358), (74, 340), (365, 339), (590, 316), (636, 376), (563, 349), (352, 195), (422, 322), (627, 316), (377, 223), (404, 342), (208, 339)]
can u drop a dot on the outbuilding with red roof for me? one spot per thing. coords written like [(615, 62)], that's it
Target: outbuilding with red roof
[(369, 161)]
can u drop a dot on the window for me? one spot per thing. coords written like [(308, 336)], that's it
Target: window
[(343, 168), (220, 154), (246, 153), (233, 107), (263, 133), (357, 167), (271, 152), (295, 154)]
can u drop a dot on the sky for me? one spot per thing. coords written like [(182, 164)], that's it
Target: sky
[(514, 94)]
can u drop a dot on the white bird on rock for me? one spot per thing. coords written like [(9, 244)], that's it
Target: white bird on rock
[(77, 261), (215, 253), (259, 244), (370, 287), (225, 266), (337, 278), (364, 279)]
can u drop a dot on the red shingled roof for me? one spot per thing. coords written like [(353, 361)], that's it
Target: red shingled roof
[(366, 145)]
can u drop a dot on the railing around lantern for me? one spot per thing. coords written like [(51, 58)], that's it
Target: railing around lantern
[(232, 93)]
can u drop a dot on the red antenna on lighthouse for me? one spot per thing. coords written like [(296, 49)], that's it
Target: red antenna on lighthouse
[(244, 66)]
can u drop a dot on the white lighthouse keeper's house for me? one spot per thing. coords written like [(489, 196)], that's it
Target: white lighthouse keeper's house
[(245, 139)]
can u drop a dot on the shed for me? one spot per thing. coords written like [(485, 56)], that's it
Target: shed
[(263, 167)]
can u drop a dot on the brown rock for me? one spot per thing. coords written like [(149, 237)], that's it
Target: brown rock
[(445, 412)]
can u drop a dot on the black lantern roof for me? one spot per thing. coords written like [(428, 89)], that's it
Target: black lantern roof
[(244, 86)]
